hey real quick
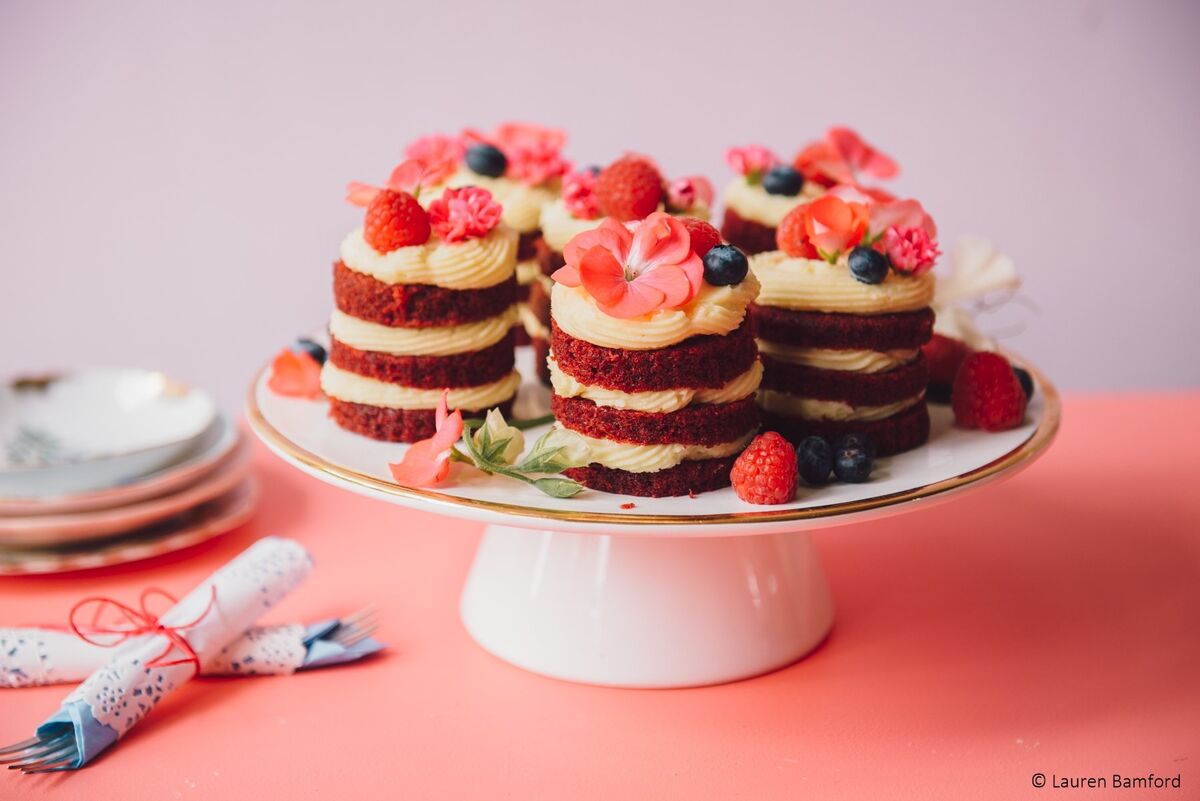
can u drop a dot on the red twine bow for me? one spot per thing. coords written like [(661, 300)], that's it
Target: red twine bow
[(139, 622)]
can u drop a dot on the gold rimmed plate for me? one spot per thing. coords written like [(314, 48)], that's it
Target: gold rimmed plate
[(301, 432)]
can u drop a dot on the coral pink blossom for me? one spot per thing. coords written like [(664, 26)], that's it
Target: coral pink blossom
[(427, 462), (841, 157), (867, 195), (633, 273), (579, 195), (833, 226), (684, 193), (408, 176), (910, 249), (751, 161), (295, 375), (466, 213), (439, 154)]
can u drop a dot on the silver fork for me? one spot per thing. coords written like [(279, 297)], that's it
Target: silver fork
[(355, 628), (42, 754)]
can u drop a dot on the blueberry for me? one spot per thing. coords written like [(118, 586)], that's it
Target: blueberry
[(856, 440), (815, 458), (868, 265), (852, 464), (312, 349), (487, 160), (937, 393), (783, 179), (1026, 381), (592, 168), (725, 265)]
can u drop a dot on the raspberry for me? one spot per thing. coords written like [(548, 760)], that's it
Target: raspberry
[(766, 471), (987, 393), (791, 237), (704, 236), (944, 355), (395, 220), (629, 189)]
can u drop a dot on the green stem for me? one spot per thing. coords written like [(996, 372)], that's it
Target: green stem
[(521, 425)]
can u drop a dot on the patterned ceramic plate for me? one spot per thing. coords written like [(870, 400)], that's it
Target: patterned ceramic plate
[(95, 428), (194, 526)]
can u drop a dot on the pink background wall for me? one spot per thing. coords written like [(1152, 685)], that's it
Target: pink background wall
[(171, 175)]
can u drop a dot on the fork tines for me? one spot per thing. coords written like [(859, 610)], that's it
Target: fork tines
[(41, 754)]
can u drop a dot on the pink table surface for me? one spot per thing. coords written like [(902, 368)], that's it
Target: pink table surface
[(1048, 624)]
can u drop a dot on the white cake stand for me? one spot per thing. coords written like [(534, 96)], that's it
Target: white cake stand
[(649, 592)]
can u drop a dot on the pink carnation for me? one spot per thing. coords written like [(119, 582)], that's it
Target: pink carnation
[(465, 213), (579, 195), (535, 164), (911, 250), (684, 193), (751, 161)]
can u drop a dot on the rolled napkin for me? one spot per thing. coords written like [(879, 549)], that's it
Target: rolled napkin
[(32, 657), (146, 668)]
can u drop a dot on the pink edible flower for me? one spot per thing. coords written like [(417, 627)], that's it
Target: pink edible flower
[(633, 273), (427, 462), (533, 151), (751, 161), (295, 375), (579, 195), (898, 214), (840, 157), (408, 176), (684, 193), (910, 249), (439, 155), (466, 213)]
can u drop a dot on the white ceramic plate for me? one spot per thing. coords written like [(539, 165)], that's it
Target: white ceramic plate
[(214, 447), (95, 428), (197, 525), (302, 433), (39, 531)]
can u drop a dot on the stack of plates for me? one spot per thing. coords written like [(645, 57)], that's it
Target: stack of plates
[(104, 466)]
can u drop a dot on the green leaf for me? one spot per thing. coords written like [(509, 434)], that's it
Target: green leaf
[(558, 487), (545, 461), (492, 451)]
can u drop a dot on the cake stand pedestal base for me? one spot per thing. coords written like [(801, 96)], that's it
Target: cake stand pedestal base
[(639, 611)]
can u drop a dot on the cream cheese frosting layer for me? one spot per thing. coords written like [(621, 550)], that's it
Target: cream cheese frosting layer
[(354, 388), (752, 202), (652, 458), (816, 285), (432, 341), (813, 409), (714, 310), (559, 227), (859, 361), (528, 271), (671, 400), (533, 326), (472, 264), (522, 203)]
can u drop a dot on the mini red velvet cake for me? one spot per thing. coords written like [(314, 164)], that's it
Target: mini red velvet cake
[(841, 318), (628, 189), (651, 360), (425, 300), (521, 164), (766, 189)]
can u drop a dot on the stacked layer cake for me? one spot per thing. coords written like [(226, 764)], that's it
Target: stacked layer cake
[(425, 301), (651, 360), (760, 196), (521, 164), (627, 190), (840, 321)]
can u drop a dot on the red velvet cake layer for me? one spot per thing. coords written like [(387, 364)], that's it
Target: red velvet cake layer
[(848, 386), (904, 331), (428, 372), (696, 476), (901, 432), (394, 425), (417, 305), (702, 424), (752, 237), (701, 362)]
